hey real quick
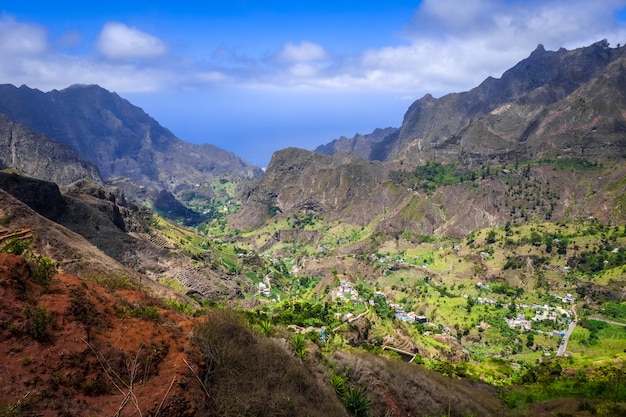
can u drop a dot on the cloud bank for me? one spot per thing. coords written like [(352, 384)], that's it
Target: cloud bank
[(448, 46)]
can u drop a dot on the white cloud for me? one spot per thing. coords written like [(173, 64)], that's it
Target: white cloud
[(449, 46), (303, 52), (454, 45), (21, 38), (120, 42)]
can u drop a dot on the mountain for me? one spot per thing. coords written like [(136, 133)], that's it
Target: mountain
[(568, 105), (120, 138), (561, 103), (553, 103), (102, 221), (360, 144), (40, 157), (519, 213), (301, 181)]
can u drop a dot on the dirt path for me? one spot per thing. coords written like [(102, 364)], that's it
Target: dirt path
[(600, 318), (352, 319)]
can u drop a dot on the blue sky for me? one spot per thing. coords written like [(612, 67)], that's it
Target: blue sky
[(253, 77)]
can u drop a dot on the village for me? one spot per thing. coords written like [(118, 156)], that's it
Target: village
[(555, 320), (346, 292)]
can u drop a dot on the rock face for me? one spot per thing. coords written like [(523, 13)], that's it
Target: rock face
[(302, 181), (563, 103), (553, 103), (362, 145), (42, 196), (40, 157), (119, 138)]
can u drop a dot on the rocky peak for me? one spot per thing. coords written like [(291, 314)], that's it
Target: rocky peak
[(445, 129), (359, 144), (120, 138)]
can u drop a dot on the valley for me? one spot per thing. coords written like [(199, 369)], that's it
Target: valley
[(470, 263)]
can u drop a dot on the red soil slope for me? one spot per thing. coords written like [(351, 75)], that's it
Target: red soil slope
[(76, 348)]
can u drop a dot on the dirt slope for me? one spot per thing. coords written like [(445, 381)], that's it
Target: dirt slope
[(76, 348)]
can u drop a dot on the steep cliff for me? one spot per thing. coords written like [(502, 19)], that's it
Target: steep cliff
[(40, 157)]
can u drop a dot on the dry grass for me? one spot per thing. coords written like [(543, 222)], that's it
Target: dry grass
[(400, 389), (249, 375)]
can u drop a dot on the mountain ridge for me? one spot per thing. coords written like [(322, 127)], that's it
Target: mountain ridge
[(120, 138), (457, 126), (561, 104)]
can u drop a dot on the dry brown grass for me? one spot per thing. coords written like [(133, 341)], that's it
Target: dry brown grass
[(249, 375), (401, 389)]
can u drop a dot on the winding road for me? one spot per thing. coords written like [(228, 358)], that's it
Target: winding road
[(570, 329)]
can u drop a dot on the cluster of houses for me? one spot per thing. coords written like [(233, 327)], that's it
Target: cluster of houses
[(542, 312), (568, 299), (409, 317), (345, 292)]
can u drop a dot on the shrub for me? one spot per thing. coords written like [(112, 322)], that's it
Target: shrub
[(266, 327), (357, 402), (147, 313), (37, 322), (43, 269), (338, 382), (16, 246), (297, 343), (112, 282), (181, 307)]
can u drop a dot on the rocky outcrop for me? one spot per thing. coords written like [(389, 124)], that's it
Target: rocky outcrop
[(298, 181), (44, 197), (40, 157), (361, 145), (553, 103)]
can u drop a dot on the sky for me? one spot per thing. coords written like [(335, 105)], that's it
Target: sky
[(253, 77)]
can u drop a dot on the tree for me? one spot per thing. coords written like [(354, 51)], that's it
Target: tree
[(512, 309), (470, 304)]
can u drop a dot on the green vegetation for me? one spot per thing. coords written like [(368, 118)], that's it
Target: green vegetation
[(297, 343), (571, 163), (16, 246), (427, 177), (146, 313), (599, 390), (357, 402), (490, 307), (616, 311), (38, 322), (471, 289), (43, 268), (112, 282)]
